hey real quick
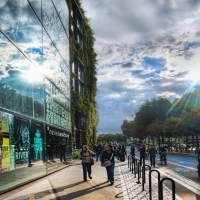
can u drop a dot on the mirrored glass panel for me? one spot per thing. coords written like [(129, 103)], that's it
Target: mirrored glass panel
[(63, 12), (54, 67), (55, 29), (57, 107), (21, 86), (22, 26), (37, 6)]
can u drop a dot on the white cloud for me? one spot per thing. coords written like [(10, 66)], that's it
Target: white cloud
[(128, 31)]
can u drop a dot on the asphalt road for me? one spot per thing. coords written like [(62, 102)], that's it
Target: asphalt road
[(181, 168)]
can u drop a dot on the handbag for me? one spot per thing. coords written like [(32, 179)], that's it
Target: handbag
[(108, 163), (91, 160)]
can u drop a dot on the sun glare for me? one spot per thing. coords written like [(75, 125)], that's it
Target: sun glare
[(194, 76), (32, 76)]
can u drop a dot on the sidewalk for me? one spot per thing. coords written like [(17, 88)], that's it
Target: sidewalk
[(67, 184)]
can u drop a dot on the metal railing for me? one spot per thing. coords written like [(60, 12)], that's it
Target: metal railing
[(139, 169)]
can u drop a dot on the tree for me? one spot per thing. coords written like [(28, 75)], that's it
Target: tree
[(169, 128), (149, 111), (154, 130)]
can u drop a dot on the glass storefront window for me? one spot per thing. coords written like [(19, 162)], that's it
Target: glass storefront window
[(34, 89)]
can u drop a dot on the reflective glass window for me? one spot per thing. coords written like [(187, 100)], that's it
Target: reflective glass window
[(55, 29), (57, 107), (54, 67), (73, 70), (20, 23), (37, 6), (62, 9), (21, 86)]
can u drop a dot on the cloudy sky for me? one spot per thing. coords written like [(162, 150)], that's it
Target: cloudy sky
[(146, 49)]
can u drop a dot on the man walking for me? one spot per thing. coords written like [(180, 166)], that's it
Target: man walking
[(152, 152), (99, 151)]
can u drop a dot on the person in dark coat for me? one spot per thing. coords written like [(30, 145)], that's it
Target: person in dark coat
[(94, 148), (123, 151), (109, 154), (62, 152), (99, 151), (142, 152), (152, 152), (132, 150)]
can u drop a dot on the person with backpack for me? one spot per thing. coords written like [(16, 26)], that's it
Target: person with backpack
[(152, 153)]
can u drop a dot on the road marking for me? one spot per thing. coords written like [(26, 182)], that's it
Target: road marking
[(179, 165), (184, 170), (191, 185), (186, 182)]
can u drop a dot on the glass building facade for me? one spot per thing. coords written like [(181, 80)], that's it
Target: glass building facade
[(35, 120)]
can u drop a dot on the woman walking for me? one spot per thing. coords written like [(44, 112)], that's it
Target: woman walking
[(108, 155), (86, 164)]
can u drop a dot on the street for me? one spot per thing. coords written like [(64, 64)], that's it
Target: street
[(182, 169)]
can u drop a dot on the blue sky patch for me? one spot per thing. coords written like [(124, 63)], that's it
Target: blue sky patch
[(189, 45), (157, 64), (34, 51)]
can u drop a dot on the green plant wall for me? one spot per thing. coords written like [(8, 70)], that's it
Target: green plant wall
[(88, 57)]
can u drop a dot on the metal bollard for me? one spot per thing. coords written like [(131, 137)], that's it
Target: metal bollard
[(128, 160), (161, 188), (139, 171), (150, 192)]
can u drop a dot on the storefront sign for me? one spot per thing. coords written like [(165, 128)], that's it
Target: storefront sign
[(59, 134)]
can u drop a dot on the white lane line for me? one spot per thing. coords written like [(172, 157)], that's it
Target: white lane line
[(189, 184), (186, 182), (181, 165)]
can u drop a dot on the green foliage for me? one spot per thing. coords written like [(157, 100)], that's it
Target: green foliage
[(88, 58), (110, 138), (159, 118), (75, 153), (169, 127)]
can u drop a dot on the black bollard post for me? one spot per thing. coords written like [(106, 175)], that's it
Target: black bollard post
[(150, 189), (161, 188), (139, 171)]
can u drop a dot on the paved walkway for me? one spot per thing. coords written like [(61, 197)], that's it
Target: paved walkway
[(67, 184), (133, 190)]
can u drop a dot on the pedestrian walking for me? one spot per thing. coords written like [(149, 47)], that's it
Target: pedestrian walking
[(99, 151), (132, 150), (86, 154), (94, 148), (123, 151), (62, 152), (142, 152), (152, 152), (108, 155)]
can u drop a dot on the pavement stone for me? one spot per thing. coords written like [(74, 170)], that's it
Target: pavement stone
[(67, 184), (134, 190)]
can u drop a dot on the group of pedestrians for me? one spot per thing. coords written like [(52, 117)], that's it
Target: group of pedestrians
[(106, 156), (152, 151)]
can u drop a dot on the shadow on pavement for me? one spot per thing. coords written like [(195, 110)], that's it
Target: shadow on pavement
[(79, 193), (42, 194)]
